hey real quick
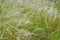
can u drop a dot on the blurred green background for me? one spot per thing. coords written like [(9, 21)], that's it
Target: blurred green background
[(29, 19)]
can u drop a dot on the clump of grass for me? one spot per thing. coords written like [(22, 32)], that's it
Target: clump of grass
[(29, 20)]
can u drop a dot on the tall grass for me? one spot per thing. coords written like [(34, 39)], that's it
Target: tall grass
[(29, 20)]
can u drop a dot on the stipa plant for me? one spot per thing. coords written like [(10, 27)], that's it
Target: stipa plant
[(29, 20)]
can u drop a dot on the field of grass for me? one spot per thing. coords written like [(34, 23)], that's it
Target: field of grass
[(29, 19)]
